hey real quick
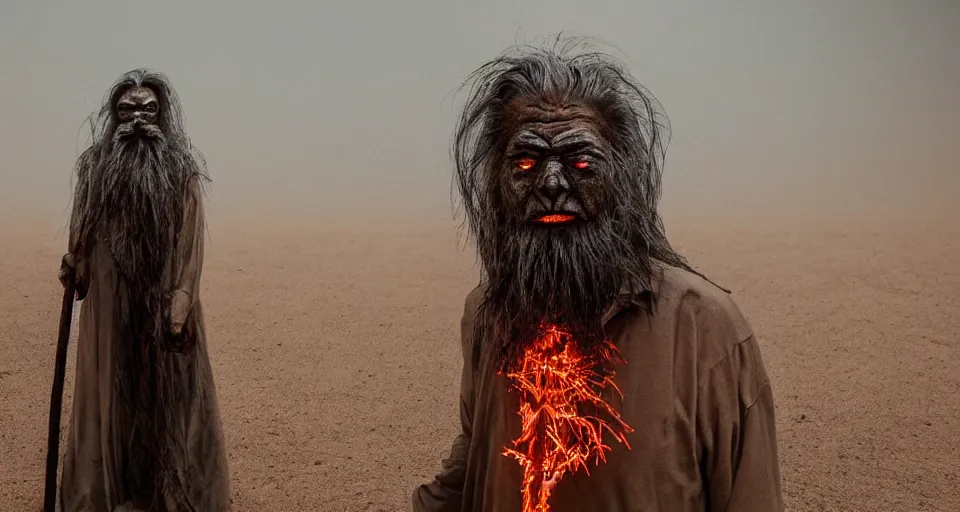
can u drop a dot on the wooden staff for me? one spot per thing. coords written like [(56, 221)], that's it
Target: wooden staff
[(56, 398)]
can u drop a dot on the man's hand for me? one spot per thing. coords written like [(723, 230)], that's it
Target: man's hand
[(68, 270), (71, 271), (178, 340), (179, 309)]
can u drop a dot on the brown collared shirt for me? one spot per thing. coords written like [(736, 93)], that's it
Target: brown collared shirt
[(695, 392)]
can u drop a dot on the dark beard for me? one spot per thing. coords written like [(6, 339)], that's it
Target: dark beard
[(568, 276), (141, 181), (137, 188)]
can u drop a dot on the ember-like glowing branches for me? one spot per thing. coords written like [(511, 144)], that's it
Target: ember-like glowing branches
[(561, 408)]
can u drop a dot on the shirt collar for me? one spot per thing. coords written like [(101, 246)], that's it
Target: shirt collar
[(633, 294)]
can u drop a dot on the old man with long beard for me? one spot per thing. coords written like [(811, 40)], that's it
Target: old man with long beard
[(145, 432), (600, 371)]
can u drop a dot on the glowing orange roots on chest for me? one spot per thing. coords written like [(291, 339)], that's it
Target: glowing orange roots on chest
[(562, 412)]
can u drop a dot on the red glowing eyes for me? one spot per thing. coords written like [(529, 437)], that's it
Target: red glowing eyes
[(526, 164)]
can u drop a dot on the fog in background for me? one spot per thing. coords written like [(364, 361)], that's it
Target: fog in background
[(348, 107)]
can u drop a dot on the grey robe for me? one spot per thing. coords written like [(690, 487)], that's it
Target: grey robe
[(90, 479)]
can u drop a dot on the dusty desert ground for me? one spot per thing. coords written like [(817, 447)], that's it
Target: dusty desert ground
[(337, 363)]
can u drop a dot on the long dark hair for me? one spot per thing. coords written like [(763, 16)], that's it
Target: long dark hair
[(99, 182)]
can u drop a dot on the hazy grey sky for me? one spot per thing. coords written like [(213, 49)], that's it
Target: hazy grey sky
[(350, 104)]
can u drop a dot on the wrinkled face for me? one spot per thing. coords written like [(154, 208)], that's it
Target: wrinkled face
[(556, 163), (138, 105)]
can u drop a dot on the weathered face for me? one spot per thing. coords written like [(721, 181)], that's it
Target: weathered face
[(139, 105), (555, 163)]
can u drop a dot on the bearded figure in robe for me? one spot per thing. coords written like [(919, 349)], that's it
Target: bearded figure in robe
[(145, 431), (600, 371)]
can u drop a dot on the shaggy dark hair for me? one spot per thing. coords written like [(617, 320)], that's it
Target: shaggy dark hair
[(137, 184), (130, 195), (572, 274)]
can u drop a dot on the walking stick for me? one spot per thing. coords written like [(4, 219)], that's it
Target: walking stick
[(56, 398)]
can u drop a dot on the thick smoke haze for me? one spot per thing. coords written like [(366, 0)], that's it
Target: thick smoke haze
[(348, 107)]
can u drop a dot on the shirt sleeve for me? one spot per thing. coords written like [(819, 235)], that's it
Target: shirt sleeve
[(445, 492), (75, 245), (190, 245), (738, 430)]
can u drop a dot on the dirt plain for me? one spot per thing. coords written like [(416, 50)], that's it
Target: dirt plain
[(336, 357)]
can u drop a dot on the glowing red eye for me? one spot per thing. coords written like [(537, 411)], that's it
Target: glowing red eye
[(581, 164), (526, 164)]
